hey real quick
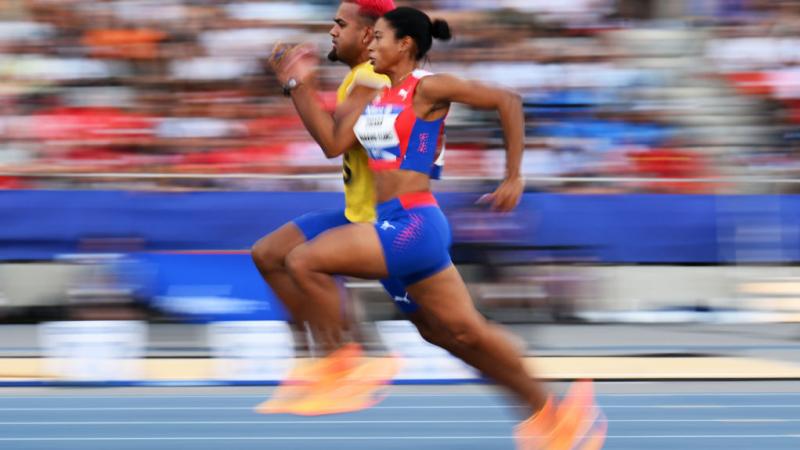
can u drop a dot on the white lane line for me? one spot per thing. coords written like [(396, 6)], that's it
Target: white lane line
[(706, 436), (695, 406), (128, 396), (402, 407), (376, 438), (365, 422), (698, 394), (251, 438), (703, 420), (260, 422)]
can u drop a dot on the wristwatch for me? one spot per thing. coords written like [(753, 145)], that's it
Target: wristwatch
[(291, 84)]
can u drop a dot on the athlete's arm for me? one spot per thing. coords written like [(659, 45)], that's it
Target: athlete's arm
[(333, 133), (436, 92)]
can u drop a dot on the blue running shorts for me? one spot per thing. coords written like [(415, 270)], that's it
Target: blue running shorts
[(317, 222), (415, 237)]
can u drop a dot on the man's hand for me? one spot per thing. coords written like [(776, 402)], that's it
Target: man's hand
[(299, 62)]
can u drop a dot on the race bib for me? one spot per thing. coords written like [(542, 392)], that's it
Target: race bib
[(376, 131)]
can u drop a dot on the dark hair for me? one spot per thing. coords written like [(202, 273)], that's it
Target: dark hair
[(417, 25)]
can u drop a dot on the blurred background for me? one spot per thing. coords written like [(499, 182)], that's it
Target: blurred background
[(144, 147)]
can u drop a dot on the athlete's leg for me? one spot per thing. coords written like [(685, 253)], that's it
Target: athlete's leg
[(447, 317), (444, 302), (445, 306), (346, 382), (438, 336), (353, 250), (269, 256)]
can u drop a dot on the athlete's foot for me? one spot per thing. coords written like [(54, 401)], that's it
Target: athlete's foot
[(533, 433), (290, 391), (360, 388), (596, 436), (576, 416), (306, 375), (575, 424)]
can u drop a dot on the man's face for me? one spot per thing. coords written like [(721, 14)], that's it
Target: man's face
[(348, 34)]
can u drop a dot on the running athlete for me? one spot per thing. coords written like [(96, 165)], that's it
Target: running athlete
[(351, 34), (402, 130)]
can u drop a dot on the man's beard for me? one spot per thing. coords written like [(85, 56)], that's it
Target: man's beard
[(332, 56)]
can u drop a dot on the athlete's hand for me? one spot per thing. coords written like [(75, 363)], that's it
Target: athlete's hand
[(299, 62), (507, 196)]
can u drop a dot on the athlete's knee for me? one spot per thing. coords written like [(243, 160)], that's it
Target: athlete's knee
[(299, 261), (431, 335), (267, 255), (466, 333)]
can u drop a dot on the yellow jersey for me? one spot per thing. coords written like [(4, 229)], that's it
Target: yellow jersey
[(359, 188)]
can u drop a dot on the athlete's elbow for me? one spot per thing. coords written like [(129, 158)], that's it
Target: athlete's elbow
[(332, 152), (513, 99), (507, 101), (330, 148), (510, 104)]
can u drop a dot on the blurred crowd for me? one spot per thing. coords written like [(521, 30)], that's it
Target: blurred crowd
[(175, 94)]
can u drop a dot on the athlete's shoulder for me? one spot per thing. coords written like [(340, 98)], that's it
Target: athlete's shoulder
[(420, 74), (364, 75), (434, 84)]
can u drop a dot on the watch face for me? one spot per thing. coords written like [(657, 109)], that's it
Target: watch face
[(291, 83)]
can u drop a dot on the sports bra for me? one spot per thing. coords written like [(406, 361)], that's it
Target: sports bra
[(395, 138)]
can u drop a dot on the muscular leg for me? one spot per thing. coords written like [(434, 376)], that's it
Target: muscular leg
[(353, 250), (446, 307), (269, 255), (443, 298), (438, 336)]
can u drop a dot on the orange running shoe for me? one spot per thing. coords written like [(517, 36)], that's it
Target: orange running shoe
[(534, 433), (576, 423), (305, 375), (290, 391), (596, 437), (363, 387), (576, 415)]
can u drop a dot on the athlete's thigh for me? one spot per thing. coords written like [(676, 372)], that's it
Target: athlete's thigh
[(397, 291), (352, 250), (304, 228), (444, 298), (280, 242), (315, 223)]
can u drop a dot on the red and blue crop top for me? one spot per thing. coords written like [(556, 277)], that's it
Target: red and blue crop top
[(395, 138)]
